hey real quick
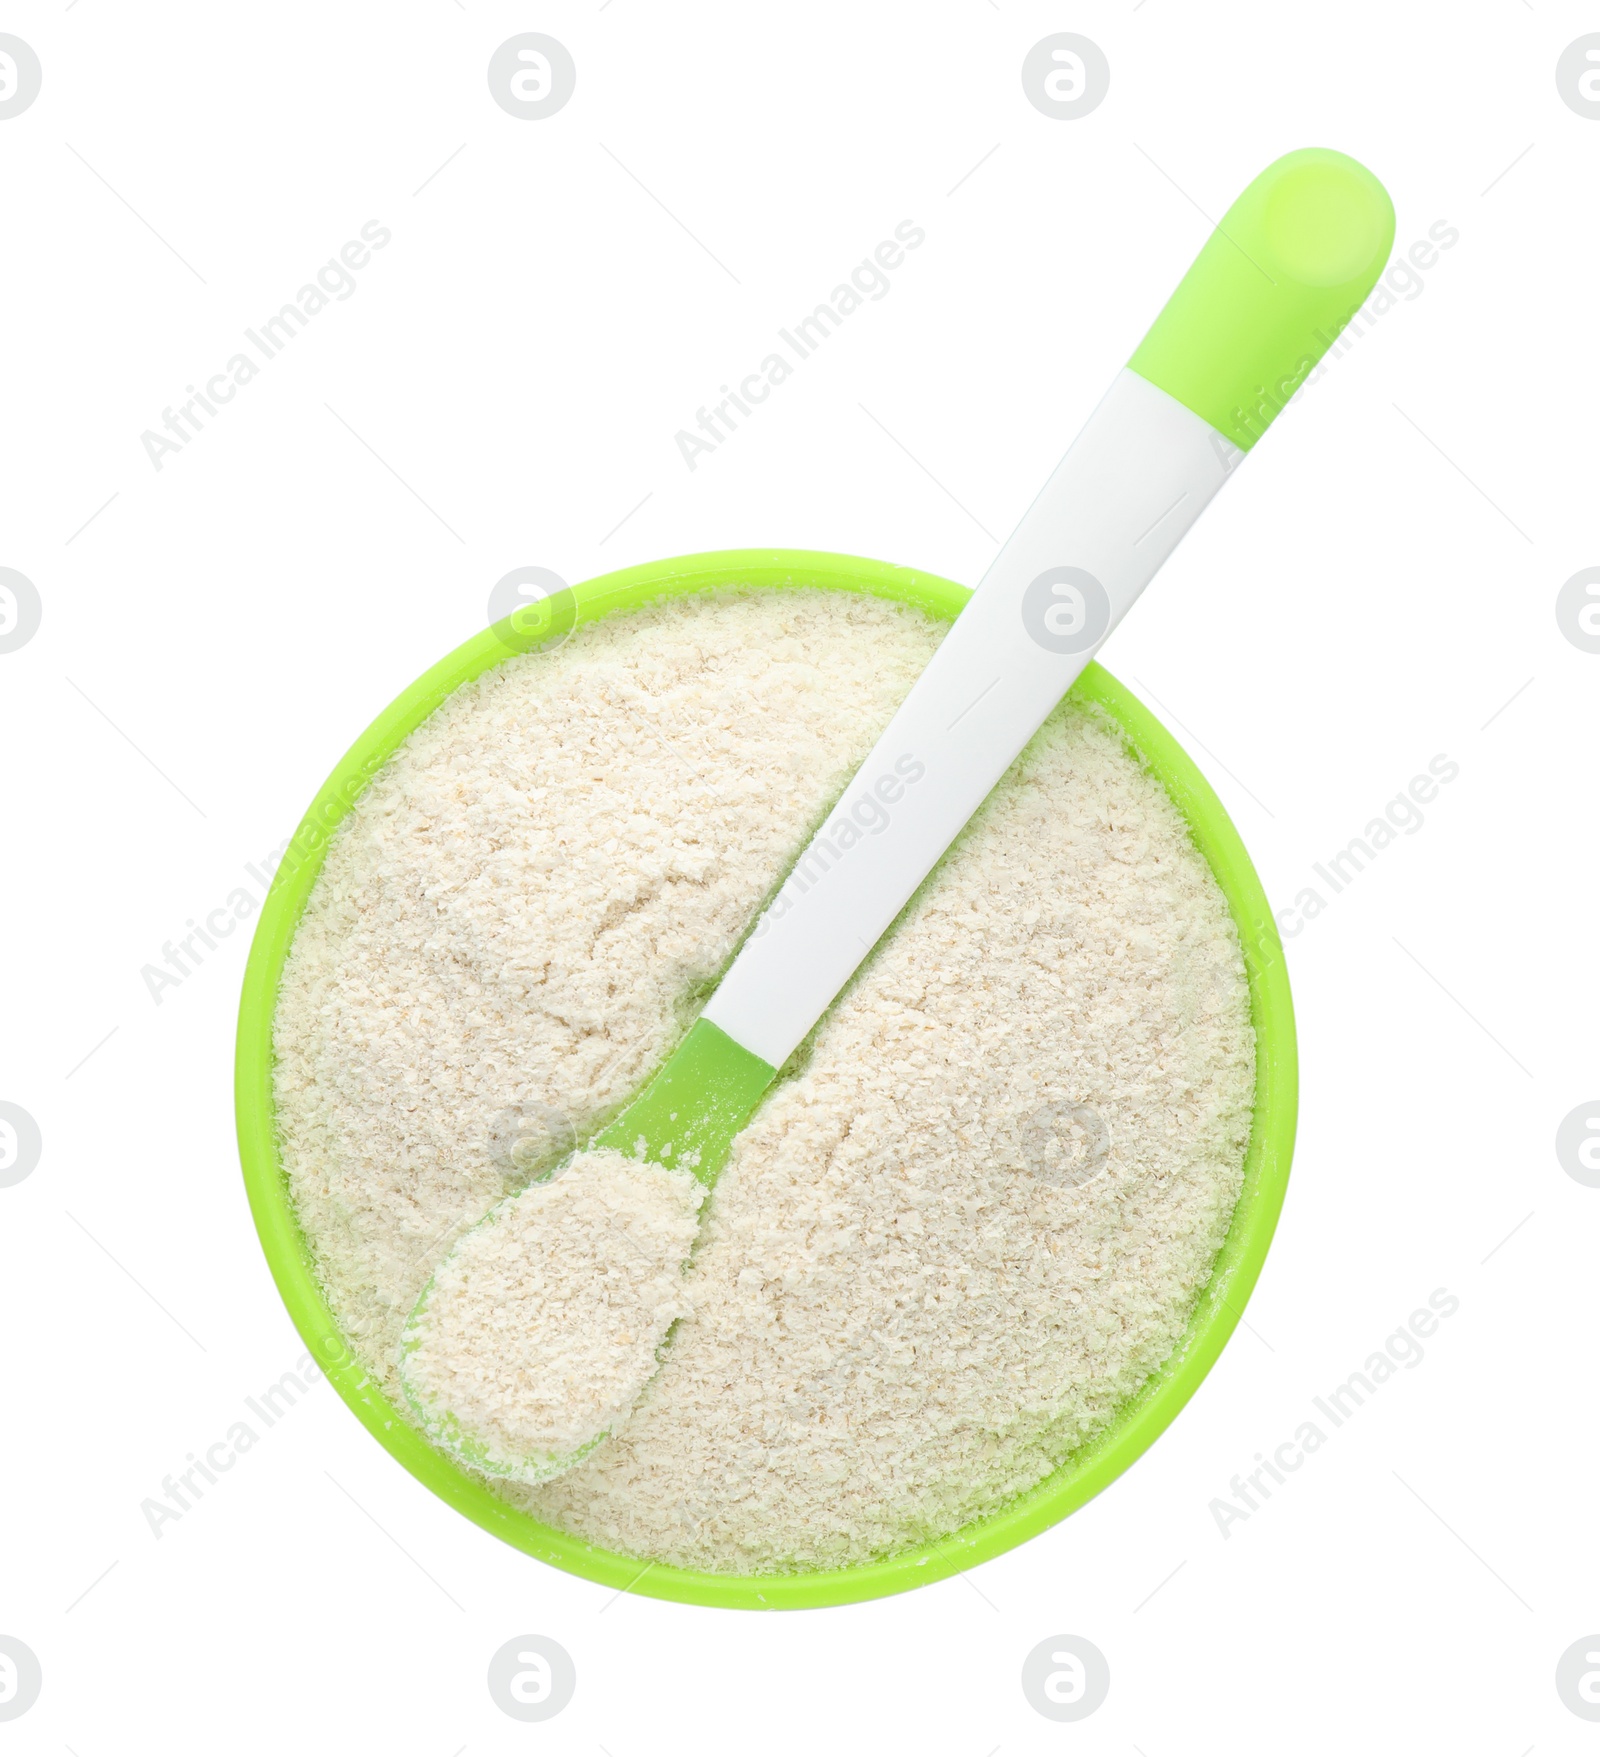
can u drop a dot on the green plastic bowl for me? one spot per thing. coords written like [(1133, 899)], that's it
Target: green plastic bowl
[(1083, 1475)]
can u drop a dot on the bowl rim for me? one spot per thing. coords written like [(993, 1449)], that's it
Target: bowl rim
[(1140, 1420)]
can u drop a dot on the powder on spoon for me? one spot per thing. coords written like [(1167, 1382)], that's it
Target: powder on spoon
[(538, 1329), (905, 1311)]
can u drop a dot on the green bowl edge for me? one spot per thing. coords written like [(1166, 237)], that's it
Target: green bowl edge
[(1141, 1420)]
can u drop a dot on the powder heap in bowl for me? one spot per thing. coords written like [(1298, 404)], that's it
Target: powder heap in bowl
[(976, 1211)]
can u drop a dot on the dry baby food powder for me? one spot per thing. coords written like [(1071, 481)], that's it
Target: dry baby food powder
[(538, 1329), (971, 1218)]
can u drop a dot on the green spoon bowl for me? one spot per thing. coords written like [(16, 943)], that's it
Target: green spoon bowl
[(1087, 1471)]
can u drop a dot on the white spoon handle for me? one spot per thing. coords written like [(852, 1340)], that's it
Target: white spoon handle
[(1133, 482), (1291, 261)]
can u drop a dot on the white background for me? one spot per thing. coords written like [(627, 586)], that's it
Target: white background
[(1369, 592)]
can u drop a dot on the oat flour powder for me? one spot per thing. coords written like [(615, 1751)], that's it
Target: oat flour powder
[(906, 1305)]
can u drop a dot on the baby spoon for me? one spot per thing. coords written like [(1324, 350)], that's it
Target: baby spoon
[(544, 1323)]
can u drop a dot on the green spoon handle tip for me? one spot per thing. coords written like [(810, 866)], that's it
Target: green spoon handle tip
[(1287, 267)]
